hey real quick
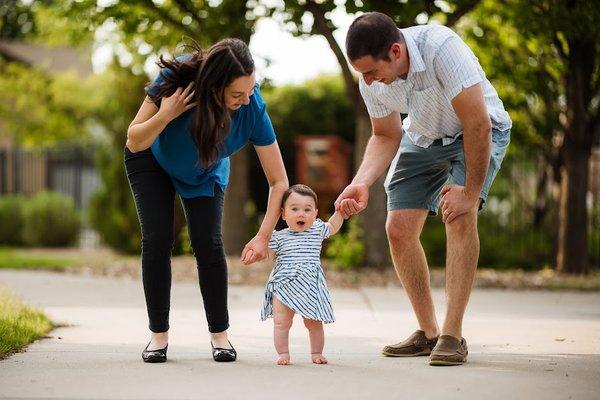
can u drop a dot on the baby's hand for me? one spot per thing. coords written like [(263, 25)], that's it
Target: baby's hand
[(255, 250), (247, 257)]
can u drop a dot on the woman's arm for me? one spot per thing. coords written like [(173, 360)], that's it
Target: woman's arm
[(150, 120), (272, 165)]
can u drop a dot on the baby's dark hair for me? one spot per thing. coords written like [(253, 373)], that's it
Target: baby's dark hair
[(300, 189)]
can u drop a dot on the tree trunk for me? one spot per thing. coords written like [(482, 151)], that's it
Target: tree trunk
[(235, 221), (372, 219), (540, 207), (572, 256), (572, 252)]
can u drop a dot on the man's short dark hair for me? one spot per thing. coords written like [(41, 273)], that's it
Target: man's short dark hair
[(372, 34)]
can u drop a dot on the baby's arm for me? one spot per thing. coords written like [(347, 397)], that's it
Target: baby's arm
[(271, 255), (335, 223)]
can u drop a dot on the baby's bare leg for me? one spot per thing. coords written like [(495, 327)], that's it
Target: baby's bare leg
[(283, 317), (317, 340)]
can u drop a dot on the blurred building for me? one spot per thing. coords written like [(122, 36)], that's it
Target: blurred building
[(323, 162)]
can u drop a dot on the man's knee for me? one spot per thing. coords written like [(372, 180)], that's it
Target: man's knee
[(463, 224), (404, 226)]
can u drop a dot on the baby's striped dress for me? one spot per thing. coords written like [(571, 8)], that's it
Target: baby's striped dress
[(298, 280)]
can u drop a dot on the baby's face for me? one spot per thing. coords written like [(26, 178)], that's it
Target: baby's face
[(299, 212)]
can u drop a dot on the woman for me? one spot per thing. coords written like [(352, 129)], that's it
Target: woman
[(202, 108)]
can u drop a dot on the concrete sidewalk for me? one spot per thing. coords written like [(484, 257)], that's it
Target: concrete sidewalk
[(522, 345)]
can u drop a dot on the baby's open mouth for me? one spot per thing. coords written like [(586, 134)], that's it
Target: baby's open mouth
[(301, 223)]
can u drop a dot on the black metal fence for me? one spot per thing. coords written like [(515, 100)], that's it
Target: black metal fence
[(68, 170), (509, 212)]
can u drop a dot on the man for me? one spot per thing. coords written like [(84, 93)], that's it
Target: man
[(457, 130)]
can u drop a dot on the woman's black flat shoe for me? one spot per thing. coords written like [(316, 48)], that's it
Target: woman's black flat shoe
[(154, 356), (223, 355)]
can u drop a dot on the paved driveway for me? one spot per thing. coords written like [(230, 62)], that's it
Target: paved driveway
[(523, 345)]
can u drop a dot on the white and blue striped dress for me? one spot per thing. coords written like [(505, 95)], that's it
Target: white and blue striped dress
[(298, 280)]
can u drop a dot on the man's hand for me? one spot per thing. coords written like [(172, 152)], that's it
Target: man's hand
[(456, 201), (255, 250), (352, 200)]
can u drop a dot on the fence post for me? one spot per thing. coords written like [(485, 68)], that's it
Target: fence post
[(4, 172), (17, 170)]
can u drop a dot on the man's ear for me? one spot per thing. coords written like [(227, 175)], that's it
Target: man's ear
[(396, 50)]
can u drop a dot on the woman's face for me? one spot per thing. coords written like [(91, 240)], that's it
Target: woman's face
[(239, 91)]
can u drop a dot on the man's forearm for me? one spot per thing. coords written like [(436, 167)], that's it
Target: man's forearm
[(477, 147), (379, 154)]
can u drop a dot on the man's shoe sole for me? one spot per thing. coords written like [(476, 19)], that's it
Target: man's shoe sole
[(422, 353), (441, 363)]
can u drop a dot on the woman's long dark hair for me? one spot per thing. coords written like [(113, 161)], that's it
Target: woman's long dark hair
[(211, 71)]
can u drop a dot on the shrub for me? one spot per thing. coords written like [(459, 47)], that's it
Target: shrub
[(11, 220), (347, 250), (50, 220), (516, 245), (111, 208)]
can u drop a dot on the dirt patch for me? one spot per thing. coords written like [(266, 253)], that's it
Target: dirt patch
[(104, 262)]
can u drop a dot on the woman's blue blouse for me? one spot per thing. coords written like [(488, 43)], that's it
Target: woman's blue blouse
[(177, 153)]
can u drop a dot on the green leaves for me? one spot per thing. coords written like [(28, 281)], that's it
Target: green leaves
[(41, 109)]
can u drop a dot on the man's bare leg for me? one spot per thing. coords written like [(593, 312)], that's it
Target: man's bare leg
[(403, 229), (462, 253)]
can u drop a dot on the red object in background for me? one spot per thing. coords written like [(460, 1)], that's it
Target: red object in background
[(323, 163)]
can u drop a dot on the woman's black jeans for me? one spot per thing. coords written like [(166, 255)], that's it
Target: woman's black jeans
[(154, 196)]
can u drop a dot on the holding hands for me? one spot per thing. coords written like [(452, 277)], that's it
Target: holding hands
[(352, 200), (173, 106), (255, 250)]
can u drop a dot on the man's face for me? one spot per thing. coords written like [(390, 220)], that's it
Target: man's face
[(374, 70), (381, 70)]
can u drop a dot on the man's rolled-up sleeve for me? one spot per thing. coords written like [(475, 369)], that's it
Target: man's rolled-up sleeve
[(375, 107), (456, 67)]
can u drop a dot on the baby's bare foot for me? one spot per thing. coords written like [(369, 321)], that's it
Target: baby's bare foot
[(284, 359), (318, 358)]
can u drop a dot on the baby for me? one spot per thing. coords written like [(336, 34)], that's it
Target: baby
[(297, 283)]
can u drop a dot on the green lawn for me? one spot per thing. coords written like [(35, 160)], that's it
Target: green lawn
[(21, 259), (19, 324)]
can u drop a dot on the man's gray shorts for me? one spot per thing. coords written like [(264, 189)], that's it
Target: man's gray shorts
[(418, 174)]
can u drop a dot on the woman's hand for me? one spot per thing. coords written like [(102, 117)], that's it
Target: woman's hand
[(255, 250), (173, 106)]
